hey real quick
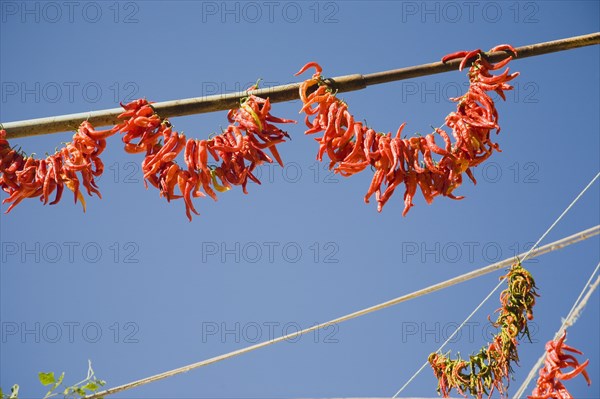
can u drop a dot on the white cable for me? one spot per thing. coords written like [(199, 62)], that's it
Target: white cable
[(582, 235), (562, 214), (544, 249), (450, 337), (500, 283), (573, 313)]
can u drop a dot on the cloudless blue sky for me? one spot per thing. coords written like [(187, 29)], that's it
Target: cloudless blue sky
[(136, 288)]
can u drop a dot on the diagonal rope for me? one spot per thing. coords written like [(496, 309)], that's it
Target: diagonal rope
[(568, 321), (575, 311), (553, 246), (558, 219), (464, 277), (449, 338), (561, 215)]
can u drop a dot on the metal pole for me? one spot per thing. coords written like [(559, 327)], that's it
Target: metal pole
[(220, 102)]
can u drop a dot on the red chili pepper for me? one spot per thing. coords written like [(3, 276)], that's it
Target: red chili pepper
[(351, 148), (504, 47), (549, 382), (309, 65), (453, 56), (467, 57)]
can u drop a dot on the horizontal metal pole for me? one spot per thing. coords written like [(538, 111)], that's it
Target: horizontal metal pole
[(220, 102)]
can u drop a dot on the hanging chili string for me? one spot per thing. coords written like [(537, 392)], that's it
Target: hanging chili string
[(236, 152), (490, 369), (351, 146)]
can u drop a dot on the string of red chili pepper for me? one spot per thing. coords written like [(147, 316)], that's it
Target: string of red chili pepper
[(549, 383), (351, 146), (490, 368), (78, 162), (239, 149)]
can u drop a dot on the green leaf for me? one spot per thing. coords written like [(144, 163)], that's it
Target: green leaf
[(91, 386), (47, 378), (56, 384)]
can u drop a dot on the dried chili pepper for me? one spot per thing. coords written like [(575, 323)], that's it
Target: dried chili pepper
[(549, 383), (490, 369), (239, 149), (26, 177), (351, 146)]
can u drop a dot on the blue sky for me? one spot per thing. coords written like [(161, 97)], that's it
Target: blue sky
[(136, 288)]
